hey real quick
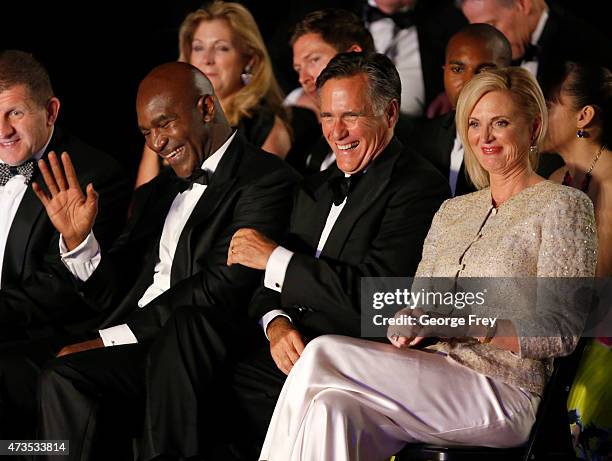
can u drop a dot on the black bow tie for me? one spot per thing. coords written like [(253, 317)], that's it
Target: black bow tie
[(342, 186), (531, 54), (402, 19), (26, 169), (199, 176)]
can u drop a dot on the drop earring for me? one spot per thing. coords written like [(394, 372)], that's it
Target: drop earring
[(581, 133), (246, 76)]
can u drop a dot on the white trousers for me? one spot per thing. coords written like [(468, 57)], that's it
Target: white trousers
[(352, 399)]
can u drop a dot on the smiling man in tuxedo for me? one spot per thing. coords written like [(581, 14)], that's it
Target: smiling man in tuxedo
[(40, 307), (34, 301), (172, 253), (365, 216)]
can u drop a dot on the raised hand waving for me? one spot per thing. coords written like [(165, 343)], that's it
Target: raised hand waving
[(71, 212)]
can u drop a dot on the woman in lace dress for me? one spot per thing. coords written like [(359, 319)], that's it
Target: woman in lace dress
[(352, 399)]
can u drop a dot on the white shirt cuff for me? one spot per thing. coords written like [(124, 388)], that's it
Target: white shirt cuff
[(276, 268), (116, 336), (267, 318), (83, 260)]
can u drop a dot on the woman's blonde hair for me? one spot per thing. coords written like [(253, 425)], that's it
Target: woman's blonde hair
[(263, 86), (526, 94)]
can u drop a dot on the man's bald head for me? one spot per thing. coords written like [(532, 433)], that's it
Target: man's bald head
[(489, 38), (475, 48), (180, 117), (516, 19), (176, 78)]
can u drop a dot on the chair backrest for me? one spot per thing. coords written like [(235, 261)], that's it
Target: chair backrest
[(550, 435)]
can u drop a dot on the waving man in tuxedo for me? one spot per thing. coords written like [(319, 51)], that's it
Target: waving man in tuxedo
[(172, 254)]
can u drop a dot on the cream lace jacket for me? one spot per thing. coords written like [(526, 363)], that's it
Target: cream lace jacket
[(546, 230)]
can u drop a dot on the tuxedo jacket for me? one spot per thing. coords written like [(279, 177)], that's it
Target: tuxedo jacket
[(568, 38), (379, 233), (434, 140), (38, 297), (436, 23), (250, 188)]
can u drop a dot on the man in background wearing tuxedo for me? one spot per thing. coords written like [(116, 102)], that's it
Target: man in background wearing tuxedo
[(543, 37), (413, 34), (316, 39), (474, 49)]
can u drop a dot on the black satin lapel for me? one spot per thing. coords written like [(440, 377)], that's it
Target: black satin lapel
[(221, 183), (359, 201), (211, 198), (28, 214), (313, 219), (314, 207), (445, 140), (149, 214), (550, 33), (430, 68), (464, 185)]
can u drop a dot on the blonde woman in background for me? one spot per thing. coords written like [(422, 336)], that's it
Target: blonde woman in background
[(224, 42)]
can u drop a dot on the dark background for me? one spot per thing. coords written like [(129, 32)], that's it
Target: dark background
[(97, 53)]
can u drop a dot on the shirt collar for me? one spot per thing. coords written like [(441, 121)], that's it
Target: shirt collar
[(211, 163), (401, 10), (537, 33)]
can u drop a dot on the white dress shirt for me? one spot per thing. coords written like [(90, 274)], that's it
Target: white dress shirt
[(11, 195), (402, 47), (456, 160), (293, 97), (328, 161), (532, 66), (280, 258), (83, 260)]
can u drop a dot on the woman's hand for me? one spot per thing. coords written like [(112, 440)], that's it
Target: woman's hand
[(410, 332), (412, 325)]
